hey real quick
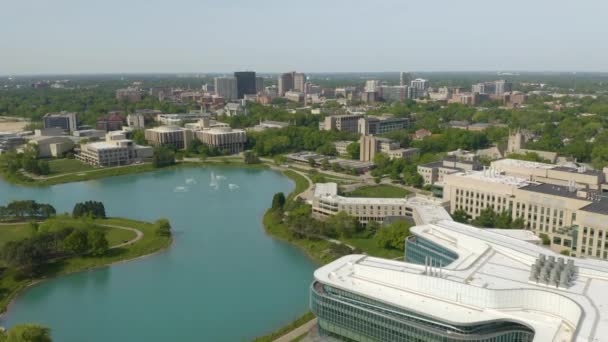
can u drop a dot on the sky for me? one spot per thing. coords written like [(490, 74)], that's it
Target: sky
[(183, 36)]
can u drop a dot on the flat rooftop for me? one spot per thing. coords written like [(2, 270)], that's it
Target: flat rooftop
[(489, 281), (492, 176)]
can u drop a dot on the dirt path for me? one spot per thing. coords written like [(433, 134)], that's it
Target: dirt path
[(138, 234)]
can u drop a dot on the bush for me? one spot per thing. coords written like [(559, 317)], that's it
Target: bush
[(393, 236), (163, 227), (89, 208)]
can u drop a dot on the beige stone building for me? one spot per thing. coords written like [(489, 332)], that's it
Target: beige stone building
[(575, 218), (370, 145), (225, 138), (435, 172), (114, 151), (343, 123), (174, 136), (550, 173)]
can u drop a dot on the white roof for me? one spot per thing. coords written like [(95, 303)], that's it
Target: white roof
[(488, 281), (493, 176), (522, 163)]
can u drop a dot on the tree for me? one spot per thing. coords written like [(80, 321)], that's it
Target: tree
[(485, 219), (325, 164), (353, 150), (27, 333), (163, 227), (163, 156), (311, 162), (77, 242), (461, 216), (251, 158), (98, 242), (89, 208), (278, 201), (343, 224), (393, 236)]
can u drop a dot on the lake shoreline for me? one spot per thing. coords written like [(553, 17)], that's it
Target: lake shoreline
[(15, 293), (103, 173)]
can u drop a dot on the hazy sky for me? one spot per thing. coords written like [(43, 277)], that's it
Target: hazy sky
[(107, 36)]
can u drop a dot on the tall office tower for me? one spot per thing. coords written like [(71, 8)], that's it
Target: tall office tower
[(285, 83), (502, 86), (299, 81), (420, 84), (372, 86), (226, 87), (245, 83), (259, 84), (405, 78)]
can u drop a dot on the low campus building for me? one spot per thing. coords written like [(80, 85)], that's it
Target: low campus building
[(573, 217), (229, 140), (116, 150), (51, 146), (174, 136), (327, 202), (370, 145), (377, 125), (343, 123)]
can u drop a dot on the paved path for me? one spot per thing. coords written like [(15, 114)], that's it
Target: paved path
[(297, 332), (138, 234)]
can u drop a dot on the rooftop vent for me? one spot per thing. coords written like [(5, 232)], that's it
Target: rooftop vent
[(552, 272)]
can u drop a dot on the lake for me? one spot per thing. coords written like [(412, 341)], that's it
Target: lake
[(223, 279)]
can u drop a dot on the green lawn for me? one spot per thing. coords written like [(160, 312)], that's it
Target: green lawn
[(301, 183), (370, 247), (382, 190), (11, 284), (115, 236), (59, 166), (13, 232)]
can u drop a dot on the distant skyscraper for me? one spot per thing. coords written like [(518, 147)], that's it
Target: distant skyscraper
[(245, 83), (502, 86), (299, 81), (259, 84), (285, 83), (420, 84), (405, 78), (372, 86), (226, 87)]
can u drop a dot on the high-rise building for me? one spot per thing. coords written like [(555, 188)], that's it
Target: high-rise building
[(372, 86), (502, 86), (393, 93), (299, 81), (285, 83), (245, 83), (420, 84), (259, 84), (405, 78), (226, 87)]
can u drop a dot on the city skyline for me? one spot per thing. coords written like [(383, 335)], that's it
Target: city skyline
[(219, 37)]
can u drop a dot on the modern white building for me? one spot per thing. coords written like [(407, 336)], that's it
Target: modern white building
[(136, 121), (461, 283)]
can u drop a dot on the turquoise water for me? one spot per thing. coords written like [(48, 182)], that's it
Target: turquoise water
[(223, 279)]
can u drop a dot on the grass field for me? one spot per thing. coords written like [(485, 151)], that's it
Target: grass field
[(370, 247), (59, 166), (11, 284), (301, 183), (13, 232), (382, 190)]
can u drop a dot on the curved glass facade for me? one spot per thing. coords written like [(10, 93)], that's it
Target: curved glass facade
[(357, 318), (417, 250)]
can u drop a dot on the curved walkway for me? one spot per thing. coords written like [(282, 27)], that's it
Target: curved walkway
[(138, 234)]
